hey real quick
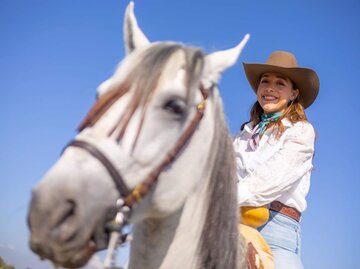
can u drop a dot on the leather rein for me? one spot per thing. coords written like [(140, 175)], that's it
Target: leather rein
[(131, 197)]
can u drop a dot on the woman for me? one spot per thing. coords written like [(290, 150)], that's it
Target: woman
[(274, 151)]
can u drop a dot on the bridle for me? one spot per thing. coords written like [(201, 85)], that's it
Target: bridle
[(130, 197)]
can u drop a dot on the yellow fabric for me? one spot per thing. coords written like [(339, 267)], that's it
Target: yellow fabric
[(252, 235), (254, 216)]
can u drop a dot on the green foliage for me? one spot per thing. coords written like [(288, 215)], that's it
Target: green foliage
[(4, 265)]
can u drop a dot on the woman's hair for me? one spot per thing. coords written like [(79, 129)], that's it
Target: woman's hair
[(295, 112)]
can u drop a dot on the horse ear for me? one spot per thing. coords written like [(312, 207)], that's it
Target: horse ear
[(218, 62), (133, 36)]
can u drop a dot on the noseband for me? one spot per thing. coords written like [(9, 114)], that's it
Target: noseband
[(131, 197), (115, 175)]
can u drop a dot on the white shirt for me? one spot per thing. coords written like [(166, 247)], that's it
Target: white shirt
[(279, 169)]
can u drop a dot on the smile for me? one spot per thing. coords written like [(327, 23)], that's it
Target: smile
[(269, 98)]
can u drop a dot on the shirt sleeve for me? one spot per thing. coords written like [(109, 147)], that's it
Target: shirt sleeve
[(271, 178)]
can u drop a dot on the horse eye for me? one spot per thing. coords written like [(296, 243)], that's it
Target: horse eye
[(175, 106)]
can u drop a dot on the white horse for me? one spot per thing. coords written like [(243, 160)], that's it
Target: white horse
[(157, 138)]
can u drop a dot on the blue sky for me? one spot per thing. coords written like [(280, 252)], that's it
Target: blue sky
[(53, 54)]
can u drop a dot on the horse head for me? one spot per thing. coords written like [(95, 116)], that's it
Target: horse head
[(147, 140)]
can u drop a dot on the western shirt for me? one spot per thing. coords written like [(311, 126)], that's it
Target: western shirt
[(278, 169)]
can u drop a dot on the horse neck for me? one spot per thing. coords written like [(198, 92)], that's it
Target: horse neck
[(203, 233), (172, 242)]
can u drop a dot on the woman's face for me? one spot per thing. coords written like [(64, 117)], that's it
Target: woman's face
[(275, 92)]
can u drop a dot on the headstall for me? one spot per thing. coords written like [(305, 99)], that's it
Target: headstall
[(128, 198)]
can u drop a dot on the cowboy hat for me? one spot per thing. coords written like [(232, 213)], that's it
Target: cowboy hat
[(284, 63)]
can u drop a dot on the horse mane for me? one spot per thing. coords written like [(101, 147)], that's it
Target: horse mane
[(145, 76), (220, 245)]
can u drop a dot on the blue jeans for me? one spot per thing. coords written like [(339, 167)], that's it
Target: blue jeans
[(282, 233)]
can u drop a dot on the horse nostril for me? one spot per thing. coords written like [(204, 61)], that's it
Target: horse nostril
[(68, 211)]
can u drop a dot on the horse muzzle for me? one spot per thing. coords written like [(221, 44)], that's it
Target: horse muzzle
[(58, 233)]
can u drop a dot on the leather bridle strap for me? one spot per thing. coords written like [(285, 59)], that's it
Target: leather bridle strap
[(115, 175), (139, 192)]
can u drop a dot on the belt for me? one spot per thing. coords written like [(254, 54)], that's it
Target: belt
[(286, 210)]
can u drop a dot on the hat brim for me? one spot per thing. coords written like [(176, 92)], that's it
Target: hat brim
[(305, 79)]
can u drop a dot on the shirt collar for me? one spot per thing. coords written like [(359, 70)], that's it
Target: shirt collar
[(250, 126), (286, 122)]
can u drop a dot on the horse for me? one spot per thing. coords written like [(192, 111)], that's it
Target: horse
[(157, 139)]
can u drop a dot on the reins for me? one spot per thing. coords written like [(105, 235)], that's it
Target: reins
[(128, 198)]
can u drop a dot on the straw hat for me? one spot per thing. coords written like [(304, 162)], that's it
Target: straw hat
[(284, 63)]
